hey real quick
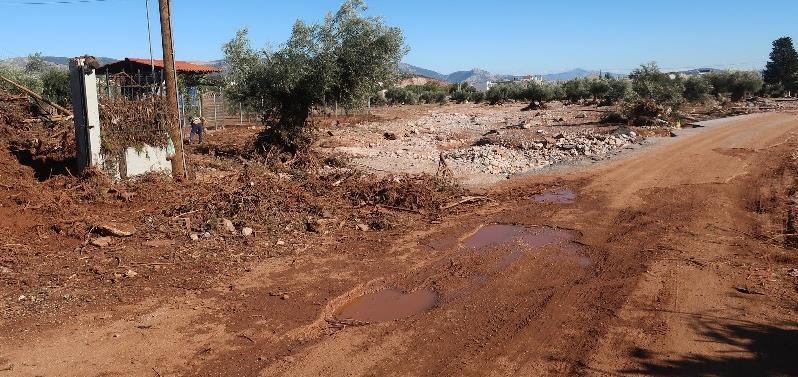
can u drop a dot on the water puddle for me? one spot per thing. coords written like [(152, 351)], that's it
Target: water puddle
[(515, 241), (497, 234), (388, 305), (558, 196)]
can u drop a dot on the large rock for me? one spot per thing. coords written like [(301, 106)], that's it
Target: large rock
[(115, 229)]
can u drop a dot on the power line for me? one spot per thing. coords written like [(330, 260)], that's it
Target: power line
[(55, 2)]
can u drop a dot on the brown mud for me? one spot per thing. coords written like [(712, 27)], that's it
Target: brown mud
[(643, 273)]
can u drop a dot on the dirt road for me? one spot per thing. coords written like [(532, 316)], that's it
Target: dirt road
[(658, 266)]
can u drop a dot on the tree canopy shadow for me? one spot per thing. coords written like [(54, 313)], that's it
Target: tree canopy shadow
[(756, 350)]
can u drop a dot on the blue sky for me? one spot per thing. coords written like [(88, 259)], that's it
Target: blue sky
[(511, 36)]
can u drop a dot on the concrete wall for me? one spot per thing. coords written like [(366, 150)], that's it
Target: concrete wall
[(148, 159)]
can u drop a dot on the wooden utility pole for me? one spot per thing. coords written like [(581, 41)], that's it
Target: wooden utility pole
[(175, 131)]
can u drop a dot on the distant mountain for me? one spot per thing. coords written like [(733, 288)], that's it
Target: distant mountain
[(21, 61), (475, 77), (479, 77), (418, 71), (62, 60), (577, 73)]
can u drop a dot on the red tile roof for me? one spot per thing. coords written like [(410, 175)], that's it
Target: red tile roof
[(180, 65)]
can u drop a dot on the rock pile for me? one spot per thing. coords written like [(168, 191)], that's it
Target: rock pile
[(542, 152)]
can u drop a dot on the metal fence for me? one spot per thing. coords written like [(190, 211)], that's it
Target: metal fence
[(207, 102)]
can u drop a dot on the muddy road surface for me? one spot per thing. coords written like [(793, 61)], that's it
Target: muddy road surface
[(660, 263)]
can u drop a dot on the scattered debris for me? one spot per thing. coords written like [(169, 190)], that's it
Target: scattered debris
[(115, 230), (748, 291), (102, 242)]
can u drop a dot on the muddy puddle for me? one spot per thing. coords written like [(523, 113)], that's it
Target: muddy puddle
[(388, 305), (558, 196), (533, 237), (518, 241)]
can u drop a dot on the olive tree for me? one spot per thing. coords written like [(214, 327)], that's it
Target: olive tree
[(697, 89), (649, 82), (735, 84), (342, 61)]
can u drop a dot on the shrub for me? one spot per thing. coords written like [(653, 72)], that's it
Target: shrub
[(55, 85), (459, 96), (400, 96), (461, 87), (643, 112), (378, 100), (697, 89), (598, 87), (499, 94), (735, 84), (432, 97), (476, 97), (619, 89), (536, 91), (576, 89), (649, 82)]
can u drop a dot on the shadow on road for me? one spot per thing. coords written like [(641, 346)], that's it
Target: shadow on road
[(751, 349)]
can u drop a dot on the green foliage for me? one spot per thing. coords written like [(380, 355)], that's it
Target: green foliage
[(620, 89), (35, 64), (26, 79), (343, 60), (461, 87), (648, 81), (537, 91), (576, 89), (55, 85), (428, 87), (501, 93), (459, 96), (598, 87), (736, 84), (50, 81), (401, 96), (378, 100), (433, 97), (697, 89), (532, 90), (476, 97), (782, 69)]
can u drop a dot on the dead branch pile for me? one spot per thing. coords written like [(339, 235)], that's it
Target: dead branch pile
[(22, 131), (132, 123), (646, 113), (14, 110), (402, 192)]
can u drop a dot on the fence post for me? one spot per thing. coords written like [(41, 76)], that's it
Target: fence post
[(83, 85), (215, 115)]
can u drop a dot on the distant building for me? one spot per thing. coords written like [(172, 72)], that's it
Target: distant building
[(133, 66), (489, 84)]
